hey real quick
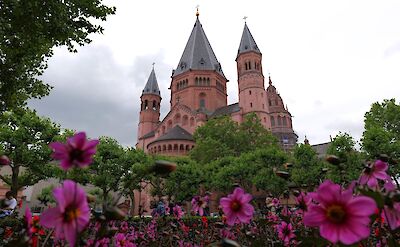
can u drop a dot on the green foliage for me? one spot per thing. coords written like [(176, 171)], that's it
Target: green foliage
[(46, 195), (307, 167), (351, 160), (221, 137), (109, 166), (24, 138), (29, 30), (382, 130), (185, 182), (252, 168)]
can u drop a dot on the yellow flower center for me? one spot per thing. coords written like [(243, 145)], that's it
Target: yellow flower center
[(71, 214), (235, 206), (336, 213)]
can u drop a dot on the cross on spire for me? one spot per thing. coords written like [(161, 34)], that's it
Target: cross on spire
[(245, 19), (197, 10), (153, 64)]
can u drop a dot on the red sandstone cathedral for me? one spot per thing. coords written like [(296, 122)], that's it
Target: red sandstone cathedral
[(198, 93)]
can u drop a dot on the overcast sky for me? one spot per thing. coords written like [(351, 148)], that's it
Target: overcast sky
[(329, 60)]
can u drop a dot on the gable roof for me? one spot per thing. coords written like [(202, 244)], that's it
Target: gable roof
[(226, 110), (198, 54)]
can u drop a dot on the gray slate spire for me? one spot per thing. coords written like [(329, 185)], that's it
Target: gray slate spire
[(198, 54), (152, 85), (247, 43)]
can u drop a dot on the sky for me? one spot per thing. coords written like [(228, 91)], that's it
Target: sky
[(329, 60)]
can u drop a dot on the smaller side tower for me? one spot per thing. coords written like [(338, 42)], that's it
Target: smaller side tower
[(252, 96), (150, 108), (280, 118)]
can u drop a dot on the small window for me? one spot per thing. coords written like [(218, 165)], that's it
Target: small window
[(249, 92), (202, 103), (251, 104)]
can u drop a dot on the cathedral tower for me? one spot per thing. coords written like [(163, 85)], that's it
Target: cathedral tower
[(252, 96), (198, 81), (150, 106)]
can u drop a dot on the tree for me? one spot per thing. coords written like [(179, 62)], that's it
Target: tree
[(46, 195), (109, 166), (29, 30), (351, 160), (382, 131), (24, 138), (221, 137), (307, 167)]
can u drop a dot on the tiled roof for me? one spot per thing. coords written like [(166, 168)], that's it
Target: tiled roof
[(176, 133), (152, 85), (198, 54), (150, 134), (247, 43), (321, 149), (226, 110)]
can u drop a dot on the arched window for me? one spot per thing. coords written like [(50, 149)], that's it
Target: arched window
[(177, 118), (269, 102), (196, 81), (249, 65), (202, 100), (284, 121), (154, 105), (245, 66), (181, 147), (249, 92), (192, 121), (208, 81), (169, 147), (279, 121), (187, 148), (272, 121), (251, 104), (159, 148), (175, 146), (185, 120), (146, 104), (164, 148)]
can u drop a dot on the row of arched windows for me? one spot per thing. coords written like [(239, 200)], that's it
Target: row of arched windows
[(248, 65), (182, 84), (202, 81), (281, 121), (145, 105), (171, 147)]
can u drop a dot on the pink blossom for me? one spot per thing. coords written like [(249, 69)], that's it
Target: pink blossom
[(122, 241), (285, 232), (303, 201), (391, 214), (77, 152), (199, 203), (71, 215), (28, 220), (177, 210), (4, 160), (339, 215), (236, 207), (371, 174)]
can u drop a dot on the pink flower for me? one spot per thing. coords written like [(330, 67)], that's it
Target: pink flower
[(303, 201), (71, 215), (236, 207), (4, 160), (199, 203), (371, 174), (285, 232), (122, 241), (76, 152), (392, 215), (339, 215), (177, 210), (29, 221)]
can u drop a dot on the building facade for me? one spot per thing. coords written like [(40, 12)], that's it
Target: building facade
[(199, 92)]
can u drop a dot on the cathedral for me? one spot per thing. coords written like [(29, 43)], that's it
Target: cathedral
[(198, 93)]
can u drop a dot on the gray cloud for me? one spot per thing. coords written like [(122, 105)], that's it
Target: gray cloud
[(93, 93)]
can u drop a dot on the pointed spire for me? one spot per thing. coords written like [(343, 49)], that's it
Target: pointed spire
[(198, 54), (152, 85), (247, 43)]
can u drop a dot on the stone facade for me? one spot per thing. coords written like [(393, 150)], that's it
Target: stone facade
[(198, 93)]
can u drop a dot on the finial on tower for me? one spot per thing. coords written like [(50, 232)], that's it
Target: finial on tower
[(306, 141), (153, 64), (197, 11), (245, 19), (269, 75)]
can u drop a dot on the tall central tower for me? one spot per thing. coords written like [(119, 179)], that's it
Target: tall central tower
[(252, 96), (198, 81)]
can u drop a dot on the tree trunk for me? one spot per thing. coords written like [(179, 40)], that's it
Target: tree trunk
[(14, 180)]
